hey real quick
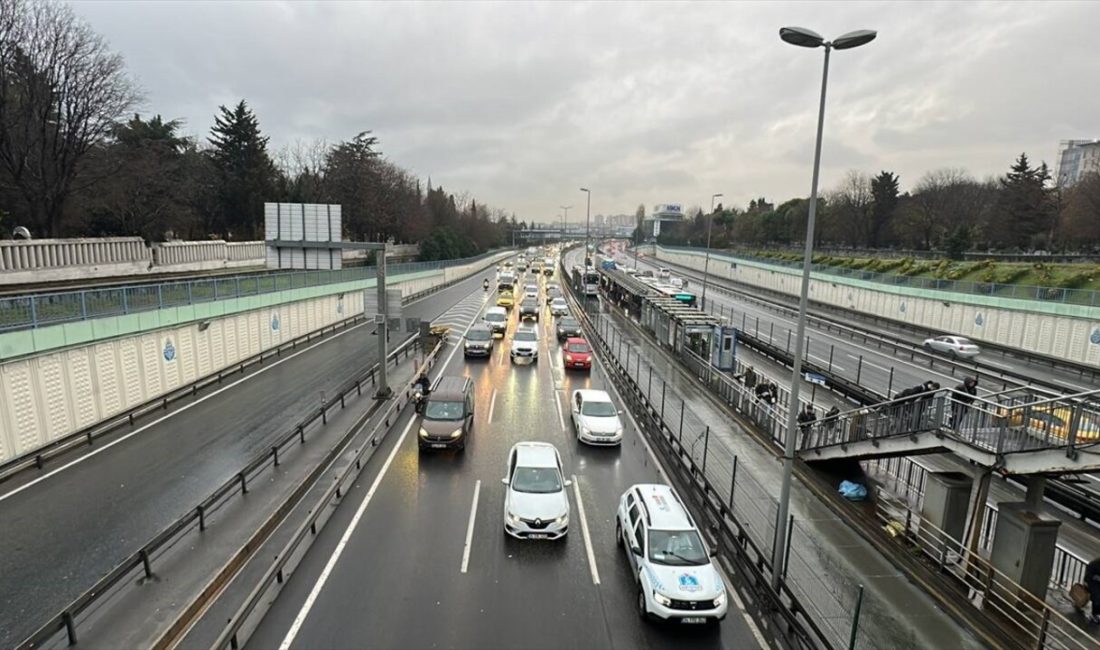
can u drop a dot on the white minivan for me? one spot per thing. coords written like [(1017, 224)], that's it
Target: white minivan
[(676, 579)]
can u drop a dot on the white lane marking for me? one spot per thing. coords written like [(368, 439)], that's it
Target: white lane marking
[(320, 584), (470, 528), (869, 363), (826, 362), (584, 532), (181, 409), (492, 405), (557, 403)]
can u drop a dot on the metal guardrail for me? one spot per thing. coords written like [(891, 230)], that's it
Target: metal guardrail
[(195, 518), (40, 310), (243, 621), (1035, 625), (1087, 297)]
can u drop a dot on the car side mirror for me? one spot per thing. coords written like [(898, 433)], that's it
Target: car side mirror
[(713, 553), (568, 483), (620, 411), (504, 480), (635, 549)]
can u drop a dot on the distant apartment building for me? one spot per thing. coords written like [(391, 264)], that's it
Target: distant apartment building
[(1075, 159)]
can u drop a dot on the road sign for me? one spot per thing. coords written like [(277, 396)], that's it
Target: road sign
[(815, 378)]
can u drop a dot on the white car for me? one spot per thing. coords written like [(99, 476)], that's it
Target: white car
[(525, 344), (496, 319), (669, 559), (558, 307), (955, 346), (536, 505), (531, 292), (595, 418)]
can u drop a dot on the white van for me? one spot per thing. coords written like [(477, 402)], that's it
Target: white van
[(663, 273), (672, 567)]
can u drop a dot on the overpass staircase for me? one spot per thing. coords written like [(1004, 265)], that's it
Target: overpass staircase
[(1018, 431)]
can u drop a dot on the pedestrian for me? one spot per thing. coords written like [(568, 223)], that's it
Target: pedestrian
[(1092, 582), (806, 418), (963, 397), (748, 377)]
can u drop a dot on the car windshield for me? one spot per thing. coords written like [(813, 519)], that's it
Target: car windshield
[(496, 318), (479, 335), (526, 335), (598, 409), (438, 410), (532, 288), (677, 548), (577, 347), (568, 323), (537, 480)]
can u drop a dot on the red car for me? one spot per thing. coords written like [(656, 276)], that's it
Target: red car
[(576, 353)]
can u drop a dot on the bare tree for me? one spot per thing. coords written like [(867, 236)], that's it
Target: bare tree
[(850, 217), (61, 92), (944, 198)]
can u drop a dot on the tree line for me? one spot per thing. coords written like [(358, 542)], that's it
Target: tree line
[(76, 161), (948, 210)]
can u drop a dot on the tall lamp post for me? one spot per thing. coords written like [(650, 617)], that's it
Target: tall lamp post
[(805, 38), (564, 215), (587, 221), (706, 264)]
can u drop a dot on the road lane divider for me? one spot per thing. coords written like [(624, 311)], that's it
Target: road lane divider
[(584, 532), (557, 403), (296, 625), (492, 407), (470, 528)]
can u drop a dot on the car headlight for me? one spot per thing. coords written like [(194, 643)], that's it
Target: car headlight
[(456, 433), (721, 599), (562, 520), (569, 358), (512, 519), (661, 600), (619, 431), (423, 433), (585, 431)]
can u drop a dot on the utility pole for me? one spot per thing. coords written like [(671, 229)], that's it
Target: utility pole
[(564, 217)]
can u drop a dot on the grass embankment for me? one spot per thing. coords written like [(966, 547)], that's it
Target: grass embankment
[(1028, 274)]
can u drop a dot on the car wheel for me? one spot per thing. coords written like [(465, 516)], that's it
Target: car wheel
[(954, 355), (927, 347), (642, 611), (618, 533)]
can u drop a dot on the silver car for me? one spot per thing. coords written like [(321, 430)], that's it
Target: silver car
[(954, 346)]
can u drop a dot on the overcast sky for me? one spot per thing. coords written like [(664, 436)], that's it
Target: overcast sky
[(523, 103)]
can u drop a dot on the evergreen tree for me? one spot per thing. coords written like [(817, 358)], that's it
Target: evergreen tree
[(1026, 208), (884, 193), (245, 174)]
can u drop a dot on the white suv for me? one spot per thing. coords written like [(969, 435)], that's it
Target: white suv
[(525, 344), (670, 562), (536, 505), (595, 418)]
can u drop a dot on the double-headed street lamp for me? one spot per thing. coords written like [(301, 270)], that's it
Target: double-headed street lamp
[(565, 215), (706, 264), (805, 38), (587, 221)]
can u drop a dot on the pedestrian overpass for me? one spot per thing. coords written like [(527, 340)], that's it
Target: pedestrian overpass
[(1019, 431)]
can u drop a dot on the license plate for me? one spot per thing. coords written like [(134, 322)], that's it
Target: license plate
[(537, 536), (693, 620), (438, 445)]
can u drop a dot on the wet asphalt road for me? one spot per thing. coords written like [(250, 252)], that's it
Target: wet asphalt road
[(63, 532), (399, 583)]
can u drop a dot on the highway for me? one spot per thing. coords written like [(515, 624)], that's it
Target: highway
[(68, 525), (416, 557)]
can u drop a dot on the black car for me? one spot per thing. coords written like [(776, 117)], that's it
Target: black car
[(529, 308), (568, 327)]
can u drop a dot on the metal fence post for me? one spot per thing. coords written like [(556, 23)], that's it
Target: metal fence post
[(125, 301), (681, 419), (787, 551), (859, 369), (788, 341), (706, 443), (831, 349), (890, 384), (649, 387), (855, 620), (663, 386), (733, 482)]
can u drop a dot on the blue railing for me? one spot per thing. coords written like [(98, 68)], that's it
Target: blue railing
[(40, 310), (1086, 297)]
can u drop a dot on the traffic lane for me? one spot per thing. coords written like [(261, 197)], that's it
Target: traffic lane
[(120, 498)]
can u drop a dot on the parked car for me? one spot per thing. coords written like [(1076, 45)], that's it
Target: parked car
[(576, 353), (568, 327), (954, 346), (536, 504), (595, 418), (672, 567)]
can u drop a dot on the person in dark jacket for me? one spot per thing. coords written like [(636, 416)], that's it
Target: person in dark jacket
[(806, 418), (963, 397), (1092, 581), (749, 377)]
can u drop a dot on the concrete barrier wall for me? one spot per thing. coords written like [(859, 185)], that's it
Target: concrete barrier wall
[(48, 395), (1070, 332), (44, 260)]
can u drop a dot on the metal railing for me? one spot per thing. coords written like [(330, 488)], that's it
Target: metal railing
[(40, 310), (1035, 624), (244, 619), (1087, 297), (195, 519)]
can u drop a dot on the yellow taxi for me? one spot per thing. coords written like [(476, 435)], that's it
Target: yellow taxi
[(1054, 421), (505, 299)]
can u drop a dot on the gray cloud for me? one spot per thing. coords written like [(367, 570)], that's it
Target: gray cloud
[(520, 104)]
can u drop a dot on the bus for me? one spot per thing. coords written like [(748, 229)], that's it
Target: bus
[(586, 281), (607, 264), (685, 297)]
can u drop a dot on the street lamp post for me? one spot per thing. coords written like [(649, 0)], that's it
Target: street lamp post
[(804, 38), (587, 222), (564, 216), (706, 264)]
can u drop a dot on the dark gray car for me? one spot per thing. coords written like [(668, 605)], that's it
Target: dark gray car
[(568, 327)]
